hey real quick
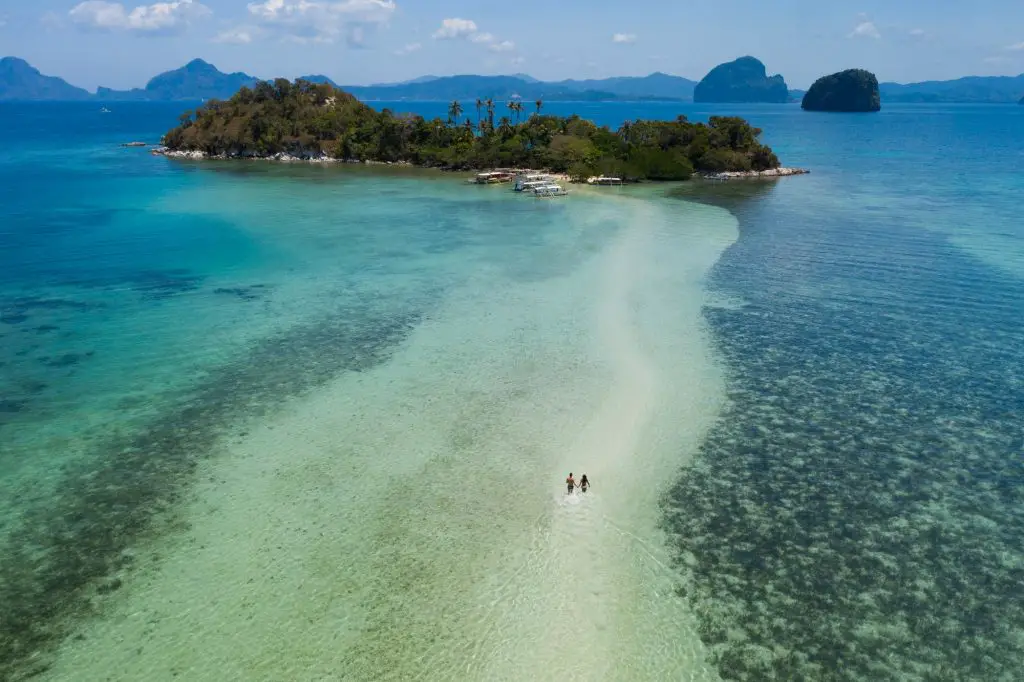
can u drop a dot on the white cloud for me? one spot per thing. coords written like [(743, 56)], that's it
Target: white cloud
[(242, 35), (1017, 47), (162, 17), (466, 29), (455, 28), (865, 29), (323, 21), (624, 38), (917, 31), (996, 60), (516, 61), (408, 49)]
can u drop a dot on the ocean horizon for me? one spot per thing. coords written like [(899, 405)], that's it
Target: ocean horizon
[(288, 421)]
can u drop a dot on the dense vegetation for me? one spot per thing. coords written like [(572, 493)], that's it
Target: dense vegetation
[(307, 119), (850, 90)]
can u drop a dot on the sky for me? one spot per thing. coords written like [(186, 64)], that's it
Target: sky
[(355, 42)]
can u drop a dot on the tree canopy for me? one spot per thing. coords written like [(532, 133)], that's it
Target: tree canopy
[(304, 118)]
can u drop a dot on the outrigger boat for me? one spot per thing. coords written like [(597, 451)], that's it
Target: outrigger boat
[(528, 181), (549, 190), (604, 180), (493, 177)]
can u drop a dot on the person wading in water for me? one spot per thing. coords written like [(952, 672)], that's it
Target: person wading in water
[(584, 483), (570, 483)]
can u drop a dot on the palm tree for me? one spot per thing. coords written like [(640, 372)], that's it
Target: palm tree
[(455, 109), (490, 113), (469, 125), (479, 106), (519, 111), (539, 103), (505, 127), (511, 108)]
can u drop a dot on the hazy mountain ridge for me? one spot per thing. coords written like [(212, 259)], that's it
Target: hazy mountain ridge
[(969, 89), (199, 80), (470, 87), (196, 80), (19, 80)]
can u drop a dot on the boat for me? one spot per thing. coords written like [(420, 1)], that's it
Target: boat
[(531, 185), (549, 190), (525, 181), (604, 180), (104, 110), (493, 177)]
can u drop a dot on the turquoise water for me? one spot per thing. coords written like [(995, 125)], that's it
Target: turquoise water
[(809, 405)]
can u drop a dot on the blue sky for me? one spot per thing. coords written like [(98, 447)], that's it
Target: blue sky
[(100, 42)]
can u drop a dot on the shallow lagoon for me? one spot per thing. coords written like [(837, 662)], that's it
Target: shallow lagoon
[(303, 421)]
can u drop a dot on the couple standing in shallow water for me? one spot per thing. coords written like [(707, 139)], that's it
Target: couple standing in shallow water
[(570, 483)]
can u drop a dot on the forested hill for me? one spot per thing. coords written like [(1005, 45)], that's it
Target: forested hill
[(310, 119)]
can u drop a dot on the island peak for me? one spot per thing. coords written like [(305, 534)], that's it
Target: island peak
[(741, 80)]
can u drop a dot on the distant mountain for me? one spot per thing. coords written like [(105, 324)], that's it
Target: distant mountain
[(200, 80), (796, 95), (526, 77), (972, 89), (194, 81), (318, 79), (19, 80), (411, 81), (473, 87), (655, 85), (742, 80)]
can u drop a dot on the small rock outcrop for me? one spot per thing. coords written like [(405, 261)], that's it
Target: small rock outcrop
[(742, 80), (850, 90)]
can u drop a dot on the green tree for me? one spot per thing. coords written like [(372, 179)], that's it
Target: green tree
[(303, 118), (454, 110), (505, 127)]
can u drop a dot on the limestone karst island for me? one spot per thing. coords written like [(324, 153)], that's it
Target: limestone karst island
[(742, 80), (853, 90)]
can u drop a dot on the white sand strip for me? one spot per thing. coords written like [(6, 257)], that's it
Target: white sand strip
[(410, 522)]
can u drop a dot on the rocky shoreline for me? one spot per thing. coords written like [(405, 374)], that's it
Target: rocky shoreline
[(770, 173), (195, 155), (281, 157)]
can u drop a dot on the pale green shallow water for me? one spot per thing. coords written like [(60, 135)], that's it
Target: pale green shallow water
[(379, 431)]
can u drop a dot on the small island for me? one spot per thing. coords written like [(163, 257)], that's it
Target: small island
[(318, 122), (853, 90), (742, 80)]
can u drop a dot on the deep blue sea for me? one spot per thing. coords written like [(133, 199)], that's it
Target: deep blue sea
[(837, 426)]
